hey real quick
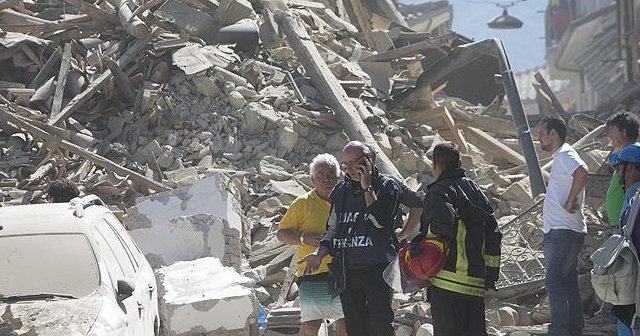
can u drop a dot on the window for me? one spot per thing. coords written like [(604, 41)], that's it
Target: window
[(48, 263), (113, 240), (109, 258), (125, 238)]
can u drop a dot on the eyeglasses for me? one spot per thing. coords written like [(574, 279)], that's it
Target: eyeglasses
[(344, 165)]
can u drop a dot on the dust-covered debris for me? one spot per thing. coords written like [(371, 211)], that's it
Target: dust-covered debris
[(139, 103)]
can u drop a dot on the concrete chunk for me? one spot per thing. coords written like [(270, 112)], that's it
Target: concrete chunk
[(196, 221), (202, 297), (232, 11)]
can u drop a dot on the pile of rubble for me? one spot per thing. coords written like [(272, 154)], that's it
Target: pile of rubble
[(196, 120)]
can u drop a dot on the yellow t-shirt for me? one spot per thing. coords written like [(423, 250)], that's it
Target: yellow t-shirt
[(308, 213)]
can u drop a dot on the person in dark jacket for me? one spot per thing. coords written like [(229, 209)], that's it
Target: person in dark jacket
[(411, 202), (457, 211), (360, 236)]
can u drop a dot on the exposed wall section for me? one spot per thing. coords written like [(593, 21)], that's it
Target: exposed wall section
[(196, 221)]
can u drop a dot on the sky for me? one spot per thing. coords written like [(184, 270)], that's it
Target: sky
[(525, 46)]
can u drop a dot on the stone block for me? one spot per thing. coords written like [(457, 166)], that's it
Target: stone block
[(236, 100), (232, 11), (206, 86), (258, 118), (508, 316), (518, 192), (290, 187), (383, 141), (541, 314), (273, 168), (493, 318), (425, 330), (182, 174), (287, 138), (203, 297), (191, 222), (403, 330)]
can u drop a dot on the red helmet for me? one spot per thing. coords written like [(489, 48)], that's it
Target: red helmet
[(424, 258)]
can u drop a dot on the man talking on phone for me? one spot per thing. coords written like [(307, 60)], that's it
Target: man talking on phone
[(364, 207)]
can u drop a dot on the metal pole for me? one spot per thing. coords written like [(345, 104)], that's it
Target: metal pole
[(521, 122)]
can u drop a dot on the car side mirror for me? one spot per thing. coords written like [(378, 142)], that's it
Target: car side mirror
[(125, 289)]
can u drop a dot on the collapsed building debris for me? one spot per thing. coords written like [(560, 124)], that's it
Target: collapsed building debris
[(199, 135), (193, 292)]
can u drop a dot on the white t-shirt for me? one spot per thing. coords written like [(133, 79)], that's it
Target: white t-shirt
[(565, 163)]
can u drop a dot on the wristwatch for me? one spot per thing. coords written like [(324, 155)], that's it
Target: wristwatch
[(369, 189)]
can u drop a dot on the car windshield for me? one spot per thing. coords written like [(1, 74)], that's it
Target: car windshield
[(36, 265)]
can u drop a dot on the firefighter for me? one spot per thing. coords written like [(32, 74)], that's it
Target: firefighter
[(458, 214)]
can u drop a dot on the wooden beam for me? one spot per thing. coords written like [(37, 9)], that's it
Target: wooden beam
[(324, 80), (37, 29), (78, 101), (307, 4), (122, 80), (288, 280), (558, 109), (65, 64), (491, 145), (485, 123), (439, 118), (73, 148), (95, 12), (32, 56), (455, 132), (364, 21), (391, 12), (406, 51), (336, 21), (4, 4), (10, 16), (4, 85), (132, 23)]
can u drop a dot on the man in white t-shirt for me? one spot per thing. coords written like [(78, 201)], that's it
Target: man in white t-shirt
[(564, 228)]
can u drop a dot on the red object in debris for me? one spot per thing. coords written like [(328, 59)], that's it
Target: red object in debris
[(423, 259)]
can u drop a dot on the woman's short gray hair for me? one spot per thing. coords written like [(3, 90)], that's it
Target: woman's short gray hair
[(327, 159)]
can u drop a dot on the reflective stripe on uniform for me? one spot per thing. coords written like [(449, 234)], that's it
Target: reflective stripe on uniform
[(492, 261), (460, 278), (462, 263), (457, 288)]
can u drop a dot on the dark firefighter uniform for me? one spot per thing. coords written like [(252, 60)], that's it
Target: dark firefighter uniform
[(457, 211)]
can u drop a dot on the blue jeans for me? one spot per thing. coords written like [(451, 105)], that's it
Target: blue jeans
[(561, 249), (623, 330)]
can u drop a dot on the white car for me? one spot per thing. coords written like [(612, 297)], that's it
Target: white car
[(72, 269)]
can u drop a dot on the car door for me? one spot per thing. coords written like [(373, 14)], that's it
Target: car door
[(145, 278), (133, 306)]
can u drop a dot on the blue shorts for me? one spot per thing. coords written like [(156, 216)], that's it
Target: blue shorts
[(316, 303)]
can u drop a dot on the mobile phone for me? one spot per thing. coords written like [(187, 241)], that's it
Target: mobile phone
[(363, 164)]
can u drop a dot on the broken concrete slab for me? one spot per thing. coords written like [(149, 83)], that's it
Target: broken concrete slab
[(204, 297), (232, 11), (518, 192), (288, 187), (191, 222), (259, 117)]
